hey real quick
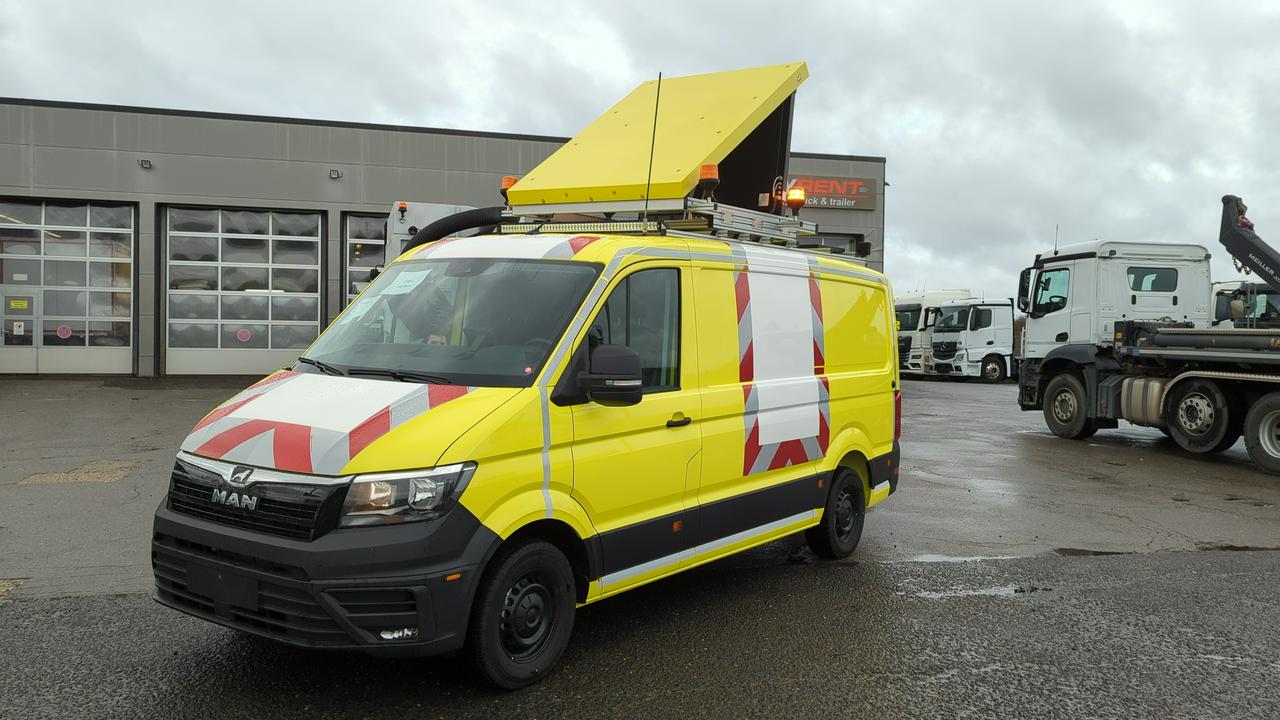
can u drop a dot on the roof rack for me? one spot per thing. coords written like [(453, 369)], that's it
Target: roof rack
[(686, 217)]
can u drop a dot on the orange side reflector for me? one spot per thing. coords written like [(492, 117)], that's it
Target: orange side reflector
[(677, 526), (452, 577), (822, 482)]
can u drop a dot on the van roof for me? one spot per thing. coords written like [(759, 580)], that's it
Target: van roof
[(603, 247)]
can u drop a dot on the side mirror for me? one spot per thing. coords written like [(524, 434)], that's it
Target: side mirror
[(1024, 290), (375, 272), (614, 378), (1023, 305)]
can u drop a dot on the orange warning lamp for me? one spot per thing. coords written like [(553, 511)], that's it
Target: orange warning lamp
[(507, 182), (708, 180), (795, 199)]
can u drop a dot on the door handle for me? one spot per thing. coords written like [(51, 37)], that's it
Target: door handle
[(679, 422), (1061, 337), (991, 342)]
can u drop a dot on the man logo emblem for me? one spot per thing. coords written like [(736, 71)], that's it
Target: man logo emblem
[(240, 476)]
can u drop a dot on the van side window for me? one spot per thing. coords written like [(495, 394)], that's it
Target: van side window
[(643, 313), (1051, 290), (981, 319), (1149, 279)]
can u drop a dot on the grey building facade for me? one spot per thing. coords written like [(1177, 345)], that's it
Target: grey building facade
[(151, 242)]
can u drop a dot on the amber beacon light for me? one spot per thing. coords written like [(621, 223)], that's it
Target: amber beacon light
[(795, 199)]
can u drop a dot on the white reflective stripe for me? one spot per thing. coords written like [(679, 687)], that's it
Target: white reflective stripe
[(704, 548), (642, 568), (762, 530)]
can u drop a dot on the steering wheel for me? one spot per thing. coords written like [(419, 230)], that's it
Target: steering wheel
[(1058, 300)]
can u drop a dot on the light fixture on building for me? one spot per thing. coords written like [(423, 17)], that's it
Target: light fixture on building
[(144, 164), (335, 173)]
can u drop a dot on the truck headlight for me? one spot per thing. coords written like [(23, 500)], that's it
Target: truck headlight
[(406, 496)]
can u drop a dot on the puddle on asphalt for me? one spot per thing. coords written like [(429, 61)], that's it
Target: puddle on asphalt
[(959, 559), (1003, 590), (1227, 547), (1084, 552)]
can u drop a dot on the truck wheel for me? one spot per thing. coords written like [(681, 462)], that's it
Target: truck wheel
[(1262, 433), (523, 615), (838, 534), (1064, 408), (1199, 416), (993, 369)]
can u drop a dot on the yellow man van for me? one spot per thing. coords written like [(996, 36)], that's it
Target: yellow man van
[(507, 426)]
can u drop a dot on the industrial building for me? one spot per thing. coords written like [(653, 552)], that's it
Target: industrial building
[(158, 242)]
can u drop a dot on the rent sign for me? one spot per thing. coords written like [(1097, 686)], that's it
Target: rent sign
[(839, 193)]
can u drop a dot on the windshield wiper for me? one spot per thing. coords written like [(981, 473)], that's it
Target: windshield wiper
[(324, 367), (401, 375)]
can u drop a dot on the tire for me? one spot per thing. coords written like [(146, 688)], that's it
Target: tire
[(1199, 417), (843, 516), (523, 615), (1262, 433), (993, 370), (1064, 403)]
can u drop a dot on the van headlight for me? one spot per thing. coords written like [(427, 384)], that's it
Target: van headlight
[(406, 496)]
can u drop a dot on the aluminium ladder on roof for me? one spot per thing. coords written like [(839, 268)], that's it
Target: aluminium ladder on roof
[(695, 218)]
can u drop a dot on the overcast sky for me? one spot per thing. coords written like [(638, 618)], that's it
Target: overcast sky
[(999, 119)]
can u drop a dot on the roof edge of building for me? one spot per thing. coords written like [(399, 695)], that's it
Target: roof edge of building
[(108, 107), (830, 156)]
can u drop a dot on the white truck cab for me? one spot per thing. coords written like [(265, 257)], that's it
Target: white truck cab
[(916, 313), (1244, 304), (973, 338), (1080, 291)]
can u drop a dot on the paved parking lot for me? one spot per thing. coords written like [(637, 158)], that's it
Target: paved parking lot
[(1014, 574)]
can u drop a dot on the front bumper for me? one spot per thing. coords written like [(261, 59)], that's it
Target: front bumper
[(341, 590)]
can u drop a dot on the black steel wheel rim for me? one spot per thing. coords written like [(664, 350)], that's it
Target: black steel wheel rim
[(528, 615), (846, 515)]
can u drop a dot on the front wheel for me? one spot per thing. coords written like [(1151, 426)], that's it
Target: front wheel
[(1064, 408), (838, 534), (993, 369), (523, 615), (1262, 433)]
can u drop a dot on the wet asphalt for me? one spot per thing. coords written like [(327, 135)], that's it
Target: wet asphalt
[(1013, 575)]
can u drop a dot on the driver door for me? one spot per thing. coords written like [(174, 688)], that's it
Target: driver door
[(1049, 321), (635, 468)]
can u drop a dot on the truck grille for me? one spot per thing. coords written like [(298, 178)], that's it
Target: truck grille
[(904, 349), (944, 350), (300, 512)]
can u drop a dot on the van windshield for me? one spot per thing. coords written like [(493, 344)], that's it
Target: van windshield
[(474, 321), (952, 319)]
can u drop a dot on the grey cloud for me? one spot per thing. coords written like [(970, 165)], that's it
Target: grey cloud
[(998, 119)]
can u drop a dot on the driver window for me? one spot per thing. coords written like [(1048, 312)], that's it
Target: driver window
[(1051, 290), (643, 313)]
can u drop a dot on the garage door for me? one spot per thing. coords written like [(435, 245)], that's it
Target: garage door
[(243, 289), (66, 287)]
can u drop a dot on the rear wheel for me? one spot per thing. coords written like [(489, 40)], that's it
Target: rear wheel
[(1199, 417), (838, 534), (993, 369), (523, 615), (1064, 408), (1262, 433)]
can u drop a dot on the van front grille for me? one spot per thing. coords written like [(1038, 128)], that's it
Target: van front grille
[(297, 511)]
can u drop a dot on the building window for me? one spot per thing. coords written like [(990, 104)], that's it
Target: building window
[(66, 274), (364, 242), (243, 279)]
